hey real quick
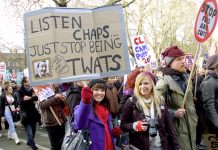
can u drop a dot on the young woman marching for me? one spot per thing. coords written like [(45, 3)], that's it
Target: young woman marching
[(146, 117), (93, 114), (8, 107)]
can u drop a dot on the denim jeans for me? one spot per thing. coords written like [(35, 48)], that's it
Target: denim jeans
[(30, 130), (9, 119)]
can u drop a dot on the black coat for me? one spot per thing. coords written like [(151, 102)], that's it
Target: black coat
[(27, 108), (141, 139), (209, 89)]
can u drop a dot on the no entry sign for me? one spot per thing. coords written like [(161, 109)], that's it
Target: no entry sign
[(206, 20)]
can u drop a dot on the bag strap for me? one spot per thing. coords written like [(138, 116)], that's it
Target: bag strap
[(168, 98), (168, 93)]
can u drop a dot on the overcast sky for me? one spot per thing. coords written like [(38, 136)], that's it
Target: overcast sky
[(8, 28)]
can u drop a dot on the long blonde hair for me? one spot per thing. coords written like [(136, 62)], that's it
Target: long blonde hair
[(155, 97)]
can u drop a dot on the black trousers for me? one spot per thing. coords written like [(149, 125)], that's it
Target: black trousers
[(56, 136)]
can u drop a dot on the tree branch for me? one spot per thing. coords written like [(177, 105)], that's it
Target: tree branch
[(56, 2), (126, 5), (113, 2)]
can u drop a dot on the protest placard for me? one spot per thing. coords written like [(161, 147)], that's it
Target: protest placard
[(140, 48), (2, 71), (67, 44), (43, 91), (211, 141), (189, 60), (206, 20)]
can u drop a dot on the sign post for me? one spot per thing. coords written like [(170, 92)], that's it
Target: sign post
[(204, 26)]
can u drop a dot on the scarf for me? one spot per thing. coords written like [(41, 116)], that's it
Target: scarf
[(170, 71), (179, 77), (154, 142), (102, 113)]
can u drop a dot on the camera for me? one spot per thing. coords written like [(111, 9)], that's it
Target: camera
[(152, 125)]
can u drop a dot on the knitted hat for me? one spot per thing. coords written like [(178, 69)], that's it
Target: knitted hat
[(171, 53), (147, 73), (212, 62), (94, 81)]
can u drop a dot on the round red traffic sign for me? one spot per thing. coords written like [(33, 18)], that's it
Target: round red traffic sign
[(206, 20)]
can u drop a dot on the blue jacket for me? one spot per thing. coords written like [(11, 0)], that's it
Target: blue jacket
[(84, 117)]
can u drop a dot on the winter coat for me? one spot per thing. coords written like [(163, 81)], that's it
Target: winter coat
[(84, 117), (48, 118), (29, 113), (185, 127), (198, 95), (132, 113), (209, 89)]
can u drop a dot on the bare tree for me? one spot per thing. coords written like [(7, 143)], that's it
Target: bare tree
[(163, 22)]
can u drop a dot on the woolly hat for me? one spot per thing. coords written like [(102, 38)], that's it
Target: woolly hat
[(212, 62), (94, 81), (147, 73), (171, 53)]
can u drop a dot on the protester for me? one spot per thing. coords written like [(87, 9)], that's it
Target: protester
[(93, 114), (113, 96), (55, 131), (119, 84), (29, 113), (158, 72), (129, 87), (8, 107), (15, 94), (74, 95), (0, 113), (173, 87), (146, 117), (198, 101), (5, 83), (209, 89)]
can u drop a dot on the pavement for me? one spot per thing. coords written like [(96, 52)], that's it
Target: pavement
[(41, 139)]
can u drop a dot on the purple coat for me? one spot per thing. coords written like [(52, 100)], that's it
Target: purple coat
[(84, 117)]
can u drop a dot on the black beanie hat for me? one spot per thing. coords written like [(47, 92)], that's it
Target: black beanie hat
[(94, 81)]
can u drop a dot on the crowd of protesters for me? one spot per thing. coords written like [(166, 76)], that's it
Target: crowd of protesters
[(144, 111)]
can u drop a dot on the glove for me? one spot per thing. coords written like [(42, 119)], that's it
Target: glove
[(116, 132), (86, 95), (139, 126)]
